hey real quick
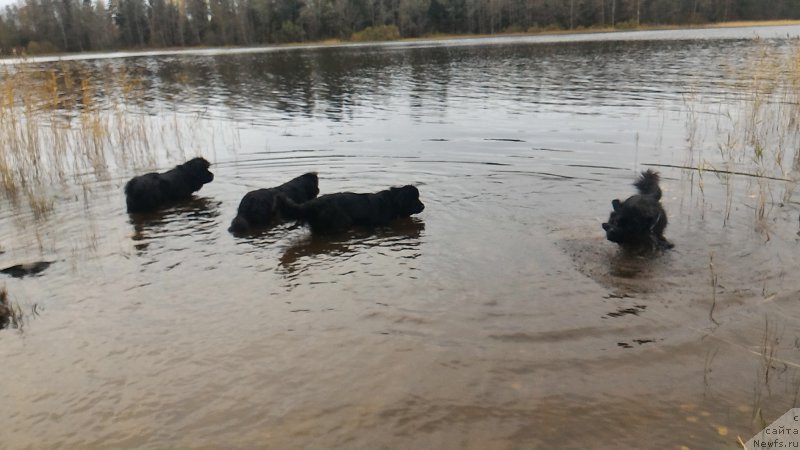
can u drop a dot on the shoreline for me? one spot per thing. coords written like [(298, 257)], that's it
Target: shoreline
[(599, 30), (9, 59)]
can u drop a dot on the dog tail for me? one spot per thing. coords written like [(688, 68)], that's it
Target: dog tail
[(289, 209), (647, 184)]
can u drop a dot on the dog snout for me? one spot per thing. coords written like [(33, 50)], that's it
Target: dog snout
[(606, 226)]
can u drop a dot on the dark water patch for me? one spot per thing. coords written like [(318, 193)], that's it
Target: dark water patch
[(554, 150), (615, 295), (544, 174), (635, 310), (564, 335), (635, 341), (442, 161), (593, 166), (504, 139)]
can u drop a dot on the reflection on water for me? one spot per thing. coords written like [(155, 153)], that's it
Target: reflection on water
[(500, 317), (343, 83), (196, 217), (400, 240)]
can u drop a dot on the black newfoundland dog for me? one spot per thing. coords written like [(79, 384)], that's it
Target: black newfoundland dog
[(153, 190), (338, 212), (639, 222), (258, 208)]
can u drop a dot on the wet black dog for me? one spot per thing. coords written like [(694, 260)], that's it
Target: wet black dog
[(153, 190), (257, 208), (639, 221), (338, 212)]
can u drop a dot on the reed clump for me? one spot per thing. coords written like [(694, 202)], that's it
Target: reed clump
[(65, 123), (52, 128), (10, 314), (754, 128)]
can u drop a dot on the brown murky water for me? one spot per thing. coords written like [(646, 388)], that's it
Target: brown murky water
[(500, 317)]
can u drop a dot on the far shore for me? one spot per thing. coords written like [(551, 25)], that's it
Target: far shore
[(429, 37), (557, 32)]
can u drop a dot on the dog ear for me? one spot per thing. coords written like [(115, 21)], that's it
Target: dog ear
[(199, 164), (411, 190), (615, 204)]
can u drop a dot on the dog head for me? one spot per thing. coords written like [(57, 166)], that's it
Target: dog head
[(197, 169), (310, 182), (406, 200), (239, 225), (618, 225), (638, 221)]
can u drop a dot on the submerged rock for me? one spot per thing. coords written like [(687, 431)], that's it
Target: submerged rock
[(23, 270)]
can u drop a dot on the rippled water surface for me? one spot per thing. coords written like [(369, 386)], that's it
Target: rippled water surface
[(499, 317)]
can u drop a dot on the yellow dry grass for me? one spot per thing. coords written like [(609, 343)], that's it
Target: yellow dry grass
[(68, 124)]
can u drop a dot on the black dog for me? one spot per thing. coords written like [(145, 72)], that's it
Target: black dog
[(337, 212), (153, 190), (639, 221), (257, 208)]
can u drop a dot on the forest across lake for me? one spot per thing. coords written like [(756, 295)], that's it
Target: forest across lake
[(498, 317), (48, 26)]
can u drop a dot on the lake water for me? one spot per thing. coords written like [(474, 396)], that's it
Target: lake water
[(500, 317)]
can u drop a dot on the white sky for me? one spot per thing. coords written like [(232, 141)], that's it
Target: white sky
[(4, 3)]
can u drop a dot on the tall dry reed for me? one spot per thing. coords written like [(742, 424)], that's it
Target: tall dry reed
[(64, 123), (752, 130)]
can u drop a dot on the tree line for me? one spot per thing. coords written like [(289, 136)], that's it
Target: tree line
[(40, 26)]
